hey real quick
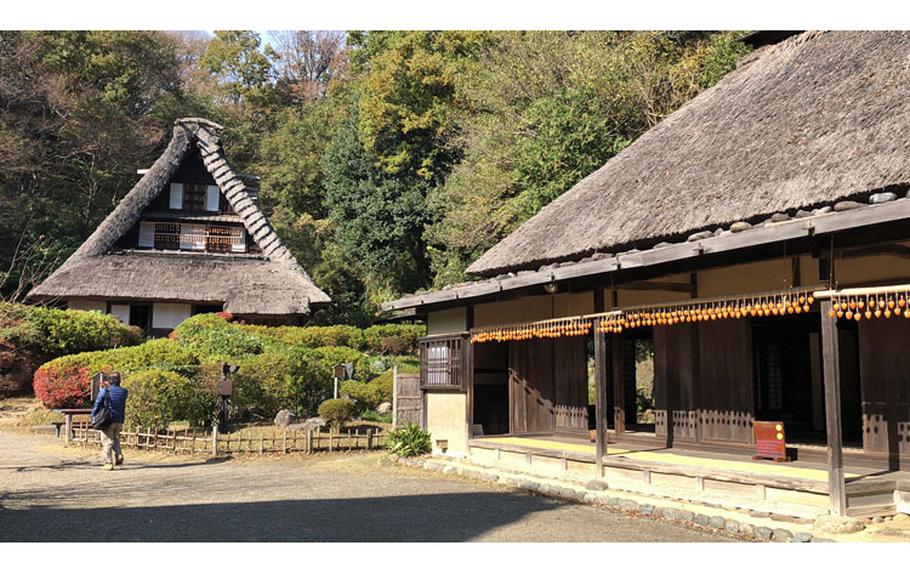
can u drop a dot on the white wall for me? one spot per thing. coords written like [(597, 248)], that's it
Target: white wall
[(121, 312), (169, 316), (87, 306), (447, 321)]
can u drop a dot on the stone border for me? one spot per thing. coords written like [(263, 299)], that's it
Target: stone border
[(592, 494)]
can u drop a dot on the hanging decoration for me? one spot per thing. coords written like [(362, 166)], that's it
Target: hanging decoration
[(867, 303), (788, 302), (777, 304), (546, 329)]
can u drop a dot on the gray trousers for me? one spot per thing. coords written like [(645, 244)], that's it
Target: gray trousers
[(110, 443)]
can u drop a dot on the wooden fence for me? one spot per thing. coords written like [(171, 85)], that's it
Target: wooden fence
[(195, 442)]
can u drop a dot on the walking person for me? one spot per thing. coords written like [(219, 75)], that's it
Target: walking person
[(114, 395)]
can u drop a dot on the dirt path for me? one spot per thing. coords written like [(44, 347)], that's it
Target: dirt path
[(51, 493)]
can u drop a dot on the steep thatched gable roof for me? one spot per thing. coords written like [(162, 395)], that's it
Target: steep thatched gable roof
[(80, 275), (816, 118)]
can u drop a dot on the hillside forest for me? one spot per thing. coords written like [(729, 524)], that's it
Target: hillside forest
[(388, 160)]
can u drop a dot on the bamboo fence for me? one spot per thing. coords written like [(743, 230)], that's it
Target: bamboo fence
[(189, 441)]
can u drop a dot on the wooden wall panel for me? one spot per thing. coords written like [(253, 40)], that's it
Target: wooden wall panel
[(548, 385), (571, 384), (884, 358), (725, 386), (675, 380)]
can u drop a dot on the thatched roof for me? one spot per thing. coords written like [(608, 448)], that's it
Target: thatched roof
[(816, 118), (273, 283), (244, 284)]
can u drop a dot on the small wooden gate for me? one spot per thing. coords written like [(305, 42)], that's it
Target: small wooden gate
[(408, 400)]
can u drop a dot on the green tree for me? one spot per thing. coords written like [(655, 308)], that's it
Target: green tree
[(379, 219), (552, 109)]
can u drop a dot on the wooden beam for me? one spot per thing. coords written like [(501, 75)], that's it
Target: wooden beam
[(818, 225), (831, 365), (683, 287), (600, 387), (892, 249)]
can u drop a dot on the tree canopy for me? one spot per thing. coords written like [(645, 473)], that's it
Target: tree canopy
[(388, 160)]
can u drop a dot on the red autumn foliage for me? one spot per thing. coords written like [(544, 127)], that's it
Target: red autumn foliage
[(226, 316), (66, 387)]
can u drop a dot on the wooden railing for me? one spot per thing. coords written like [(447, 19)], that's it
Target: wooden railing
[(196, 442)]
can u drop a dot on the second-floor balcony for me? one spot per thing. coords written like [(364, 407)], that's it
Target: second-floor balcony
[(192, 237)]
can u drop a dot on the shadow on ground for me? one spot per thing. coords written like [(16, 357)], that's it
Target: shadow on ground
[(440, 517)]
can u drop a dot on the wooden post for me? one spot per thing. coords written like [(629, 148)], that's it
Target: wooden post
[(175, 441), (68, 420), (215, 440), (369, 438), (600, 401), (285, 445), (831, 365), (309, 441), (394, 397)]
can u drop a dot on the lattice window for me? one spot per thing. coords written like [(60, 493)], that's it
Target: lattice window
[(167, 236), (194, 196), (443, 362)]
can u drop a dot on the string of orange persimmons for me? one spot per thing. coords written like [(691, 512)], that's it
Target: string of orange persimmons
[(868, 306), (615, 322)]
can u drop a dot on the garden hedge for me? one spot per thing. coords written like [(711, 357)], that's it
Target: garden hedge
[(30, 336), (280, 367)]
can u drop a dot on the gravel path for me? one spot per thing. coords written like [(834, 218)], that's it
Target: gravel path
[(49, 493)]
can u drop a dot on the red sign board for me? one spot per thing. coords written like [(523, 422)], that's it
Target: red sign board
[(770, 440)]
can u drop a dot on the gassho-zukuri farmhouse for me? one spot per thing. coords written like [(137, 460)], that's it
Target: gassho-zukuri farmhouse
[(753, 249), (188, 238)]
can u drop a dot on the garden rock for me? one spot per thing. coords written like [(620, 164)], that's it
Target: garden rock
[(314, 423), (597, 485), (802, 537), (284, 418), (702, 520), (384, 408), (740, 226), (838, 525)]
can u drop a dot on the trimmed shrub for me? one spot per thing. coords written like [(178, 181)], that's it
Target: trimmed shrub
[(332, 356), (336, 411), (409, 441), (211, 337), (393, 338), (296, 379), (156, 354), (52, 333), (30, 336), (313, 336), (157, 398), (67, 387)]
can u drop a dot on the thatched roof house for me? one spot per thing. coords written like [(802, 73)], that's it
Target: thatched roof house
[(188, 237), (799, 125), (753, 248)]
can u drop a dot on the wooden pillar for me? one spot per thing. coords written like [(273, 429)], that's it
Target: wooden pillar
[(68, 420), (831, 365), (619, 384), (600, 402)]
